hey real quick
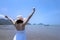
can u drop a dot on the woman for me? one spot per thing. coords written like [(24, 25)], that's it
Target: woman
[(20, 26)]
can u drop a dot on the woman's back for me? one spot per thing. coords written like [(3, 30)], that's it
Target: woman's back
[(18, 25)]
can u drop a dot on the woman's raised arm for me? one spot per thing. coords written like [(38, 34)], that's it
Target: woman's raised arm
[(29, 17), (10, 19)]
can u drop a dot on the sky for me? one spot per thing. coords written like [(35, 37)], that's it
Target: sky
[(47, 11)]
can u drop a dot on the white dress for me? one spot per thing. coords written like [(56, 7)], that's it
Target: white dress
[(20, 35)]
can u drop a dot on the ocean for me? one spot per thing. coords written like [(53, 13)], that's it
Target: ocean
[(33, 32)]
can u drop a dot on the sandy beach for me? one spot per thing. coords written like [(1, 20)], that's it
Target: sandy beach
[(32, 33)]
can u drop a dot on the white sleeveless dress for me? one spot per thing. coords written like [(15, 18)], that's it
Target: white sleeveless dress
[(20, 35)]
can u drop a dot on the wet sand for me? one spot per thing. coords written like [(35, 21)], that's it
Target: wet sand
[(33, 33)]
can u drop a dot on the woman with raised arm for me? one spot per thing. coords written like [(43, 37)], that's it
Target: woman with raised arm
[(20, 26)]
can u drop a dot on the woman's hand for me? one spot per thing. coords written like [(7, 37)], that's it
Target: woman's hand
[(33, 10), (6, 16)]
